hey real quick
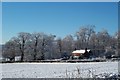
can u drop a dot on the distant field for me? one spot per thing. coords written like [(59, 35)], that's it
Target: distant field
[(59, 70)]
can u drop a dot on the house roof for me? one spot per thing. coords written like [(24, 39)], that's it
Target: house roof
[(80, 51)]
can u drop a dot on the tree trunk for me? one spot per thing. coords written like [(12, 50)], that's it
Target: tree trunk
[(22, 56)]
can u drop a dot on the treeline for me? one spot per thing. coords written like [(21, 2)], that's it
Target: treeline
[(41, 46)]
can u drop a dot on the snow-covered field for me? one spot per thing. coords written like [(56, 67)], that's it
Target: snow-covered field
[(59, 70)]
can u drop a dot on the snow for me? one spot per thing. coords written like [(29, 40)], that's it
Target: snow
[(80, 51), (59, 70)]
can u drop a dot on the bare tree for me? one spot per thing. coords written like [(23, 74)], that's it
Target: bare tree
[(21, 41), (83, 36), (45, 43), (103, 41), (34, 44), (68, 45), (43, 46), (50, 46), (117, 38), (90, 32), (59, 44), (9, 50)]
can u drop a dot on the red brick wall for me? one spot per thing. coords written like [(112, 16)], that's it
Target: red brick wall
[(76, 54)]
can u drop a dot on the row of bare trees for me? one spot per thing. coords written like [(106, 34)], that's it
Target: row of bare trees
[(40, 46)]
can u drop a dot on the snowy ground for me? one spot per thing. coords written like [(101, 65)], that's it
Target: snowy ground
[(59, 70)]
